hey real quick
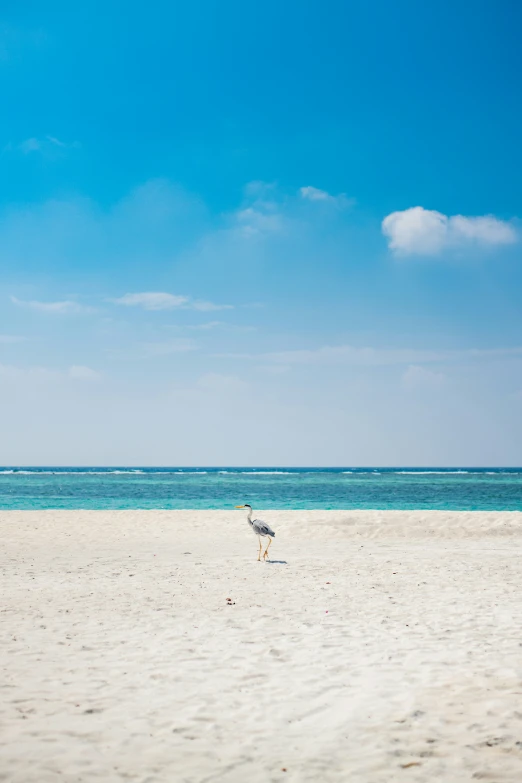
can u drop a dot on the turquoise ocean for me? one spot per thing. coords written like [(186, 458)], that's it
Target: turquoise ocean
[(484, 489)]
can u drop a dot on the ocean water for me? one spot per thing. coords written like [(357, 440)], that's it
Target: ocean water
[(485, 489)]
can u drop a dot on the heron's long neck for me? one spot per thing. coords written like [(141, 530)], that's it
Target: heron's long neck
[(249, 515)]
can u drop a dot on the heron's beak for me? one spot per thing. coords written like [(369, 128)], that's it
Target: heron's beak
[(239, 507)]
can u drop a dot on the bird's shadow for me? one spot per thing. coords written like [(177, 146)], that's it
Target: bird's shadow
[(276, 562)]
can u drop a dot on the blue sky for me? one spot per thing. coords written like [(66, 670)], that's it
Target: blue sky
[(261, 233)]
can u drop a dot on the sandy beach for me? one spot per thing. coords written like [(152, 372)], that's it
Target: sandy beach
[(151, 646)]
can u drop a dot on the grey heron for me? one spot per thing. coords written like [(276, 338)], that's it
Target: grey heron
[(261, 529)]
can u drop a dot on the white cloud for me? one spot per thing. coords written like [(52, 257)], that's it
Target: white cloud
[(158, 300), (262, 213), (486, 229), (81, 373), (270, 213), (57, 142), (422, 231), (64, 307), (316, 194), (257, 220), (151, 300)]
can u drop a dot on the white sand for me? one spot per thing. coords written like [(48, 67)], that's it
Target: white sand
[(388, 647)]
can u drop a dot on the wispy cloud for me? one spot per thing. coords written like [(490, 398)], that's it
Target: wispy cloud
[(151, 300), (255, 221), (350, 355), (269, 212), (46, 145), (160, 300), (12, 372), (261, 213), (76, 372), (419, 231), (64, 307), (309, 193)]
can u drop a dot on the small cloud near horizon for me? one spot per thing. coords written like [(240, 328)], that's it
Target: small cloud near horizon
[(64, 307), (160, 300)]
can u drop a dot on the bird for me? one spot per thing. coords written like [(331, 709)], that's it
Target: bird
[(260, 528)]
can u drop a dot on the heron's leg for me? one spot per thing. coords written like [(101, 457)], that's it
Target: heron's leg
[(260, 548), (267, 548)]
